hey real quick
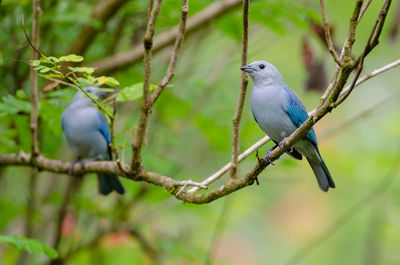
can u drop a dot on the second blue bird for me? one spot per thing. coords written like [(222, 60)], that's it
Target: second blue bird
[(279, 112), (88, 135)]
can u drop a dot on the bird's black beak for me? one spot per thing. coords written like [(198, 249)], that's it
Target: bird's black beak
[(247, 68)]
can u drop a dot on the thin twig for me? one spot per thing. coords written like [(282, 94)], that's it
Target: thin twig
[(363, 9), (174, 55), (34, 79), (242, 93), (328, 36), (144, 113)]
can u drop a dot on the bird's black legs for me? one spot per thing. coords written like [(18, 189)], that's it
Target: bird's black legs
[(71, 167), (282, 144), (268, 155)]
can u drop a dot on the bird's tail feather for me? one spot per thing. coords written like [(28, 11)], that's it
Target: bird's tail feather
[(321, 171), (108, 183)]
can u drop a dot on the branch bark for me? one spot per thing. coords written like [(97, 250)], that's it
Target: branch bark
[(145, 106), (34, 79), (135, 54), (149, 100), (328, 36), (243, 90)]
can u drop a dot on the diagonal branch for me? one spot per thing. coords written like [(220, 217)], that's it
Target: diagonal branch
[(135, 54), (243, 89)]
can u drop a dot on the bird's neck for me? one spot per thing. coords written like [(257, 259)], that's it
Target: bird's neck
[(269, 81)]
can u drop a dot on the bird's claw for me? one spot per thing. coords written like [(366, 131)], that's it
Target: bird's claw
[(71, 167), (282, 143), (268, 158)]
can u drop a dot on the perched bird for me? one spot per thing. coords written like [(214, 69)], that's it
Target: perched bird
[(88, 135), (279, 112)]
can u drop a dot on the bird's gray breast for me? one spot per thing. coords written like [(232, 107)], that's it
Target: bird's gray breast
[(81, 128), (268, 108)]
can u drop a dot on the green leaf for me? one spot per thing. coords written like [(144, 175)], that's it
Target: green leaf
[(52, 75), (44, 70), (53, 59), (107, 90), (12, 105), (110, 81), (133, 92), (71, 58), (87, 81), (31, 245), (88, 70), (20, 94), (35, 63)]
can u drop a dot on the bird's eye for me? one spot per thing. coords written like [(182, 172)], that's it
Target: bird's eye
[(261, 66)]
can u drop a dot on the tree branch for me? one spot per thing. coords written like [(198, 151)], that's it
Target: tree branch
[(174, 56), (328, 36), (242, 93), (34, 79), (145, 106), (135, 54)]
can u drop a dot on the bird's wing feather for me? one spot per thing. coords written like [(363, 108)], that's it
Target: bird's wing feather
[(103, 129), (298, 114)]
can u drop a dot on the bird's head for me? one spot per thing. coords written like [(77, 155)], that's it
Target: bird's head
[(262, 72), (82, 99)]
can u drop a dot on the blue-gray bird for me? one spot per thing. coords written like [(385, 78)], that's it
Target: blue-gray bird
[(88, 135), (279, 112)]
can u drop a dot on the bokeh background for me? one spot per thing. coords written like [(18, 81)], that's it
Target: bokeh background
[(286, 219)]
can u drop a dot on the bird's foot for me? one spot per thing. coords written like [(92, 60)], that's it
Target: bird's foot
[(282, 143), (71, 167), (268, 157), (257, 181), (96, 158)]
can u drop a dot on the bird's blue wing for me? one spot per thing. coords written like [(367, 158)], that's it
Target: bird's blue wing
[(103, 128), (298, 114)]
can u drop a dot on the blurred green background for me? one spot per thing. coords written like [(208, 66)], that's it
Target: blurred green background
[(285, 220)]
